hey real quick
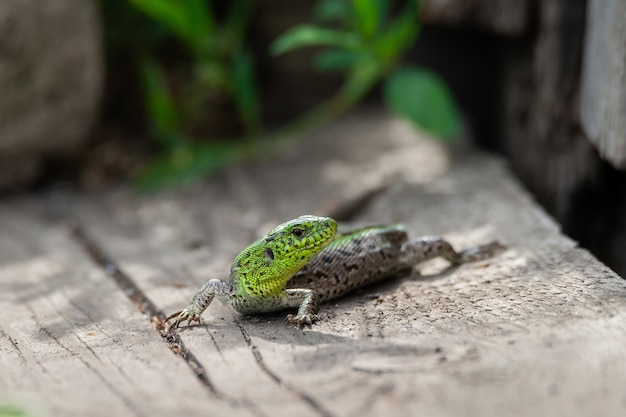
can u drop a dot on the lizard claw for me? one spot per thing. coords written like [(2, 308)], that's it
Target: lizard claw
[(182, 316), (301, 320)]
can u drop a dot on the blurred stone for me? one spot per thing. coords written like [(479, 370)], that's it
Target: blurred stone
[(50, 78)]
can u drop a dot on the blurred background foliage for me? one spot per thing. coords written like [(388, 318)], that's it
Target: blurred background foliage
[(194, 65), (7, 410)]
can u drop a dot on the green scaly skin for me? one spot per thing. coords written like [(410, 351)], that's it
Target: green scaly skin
[(303, 262)]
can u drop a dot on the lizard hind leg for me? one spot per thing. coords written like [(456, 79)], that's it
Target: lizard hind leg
[(478, 253), (427, 248)]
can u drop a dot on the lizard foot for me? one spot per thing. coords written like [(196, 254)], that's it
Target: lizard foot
[(181, 316), (301, 320), (482, 252)]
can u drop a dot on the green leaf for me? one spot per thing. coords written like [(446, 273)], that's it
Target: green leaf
[(234, 29), (307, 35), (160, 104), (190, 20), (367, 16), (170, 13), (400, 34), (186, 165), (245, 92), (327, 11), (336, 59), (422, 97), (201, 24)]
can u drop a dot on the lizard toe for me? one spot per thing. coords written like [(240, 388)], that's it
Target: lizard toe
[(182, 316), (290, 320), (301, 320)]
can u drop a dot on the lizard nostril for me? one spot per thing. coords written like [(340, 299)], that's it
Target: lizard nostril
[(269, 254)]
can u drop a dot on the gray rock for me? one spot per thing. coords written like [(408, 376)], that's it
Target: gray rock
[(50, 78)]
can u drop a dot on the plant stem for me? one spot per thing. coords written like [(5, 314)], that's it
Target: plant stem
[(322, 114)]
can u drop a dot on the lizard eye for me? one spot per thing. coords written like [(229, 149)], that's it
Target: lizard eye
[(297, 232)]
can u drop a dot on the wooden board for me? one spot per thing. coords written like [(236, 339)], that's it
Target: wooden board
[(538, 330), (71, 343), (603, 88), (504, 17)]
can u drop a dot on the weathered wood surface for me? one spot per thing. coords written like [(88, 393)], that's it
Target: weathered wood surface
[(603, 100), (538, 330), (541, 127), (69, 339)]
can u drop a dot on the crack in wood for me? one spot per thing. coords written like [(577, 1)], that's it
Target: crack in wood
[(80, 339), (256, 353), (217, 346), (143, 304), (111, 387), (50, 374), (156, 315), (14, 344)]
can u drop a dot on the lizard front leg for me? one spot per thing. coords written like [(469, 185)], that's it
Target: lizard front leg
[(200, 302), (308, 304)]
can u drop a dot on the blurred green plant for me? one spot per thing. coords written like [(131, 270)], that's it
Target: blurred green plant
[(362, 39), (367, 44), (221, 69), (12, 411)]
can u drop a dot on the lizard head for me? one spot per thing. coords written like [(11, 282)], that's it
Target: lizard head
[(265, 266), (297, 241)]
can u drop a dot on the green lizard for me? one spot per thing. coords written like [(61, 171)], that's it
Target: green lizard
[(303, 262)]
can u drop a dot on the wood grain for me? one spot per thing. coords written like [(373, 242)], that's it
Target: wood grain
[(538, 330), (603, 87)]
